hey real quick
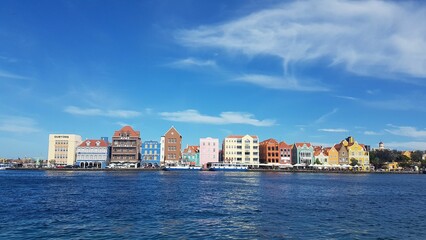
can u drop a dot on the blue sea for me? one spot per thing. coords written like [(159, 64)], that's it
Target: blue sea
[(211, 205)]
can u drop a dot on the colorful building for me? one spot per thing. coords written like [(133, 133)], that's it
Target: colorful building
[(285, 152), (302, 153), (93, 153), (269, 152), (241, 150), (209, 150), (350, 151), (150, 154), (125, 148), (172, 146), (320, 155), (333, 156), (191, 155), (62, 149)]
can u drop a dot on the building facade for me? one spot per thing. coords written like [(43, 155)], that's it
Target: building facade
[(241, 150), (93, 153), (191, 155), (62, 149), (162, 146), (269, 152), (151, 154), (320, 155), (302, 153), (209, 150), (125, 148), (172, 146), (333, 156), (285, 152)]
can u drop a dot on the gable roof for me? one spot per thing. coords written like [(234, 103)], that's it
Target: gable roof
[(298, 145), (173, 127), (127, 129), (284, 145), (92, 143), (269, 141), (194, 149)]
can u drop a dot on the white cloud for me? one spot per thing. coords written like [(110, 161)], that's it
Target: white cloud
[(194, 116), (9, 75), (282, 83), (407, 145), (348, 98), (16, 124), (374, 38), (325, 116), (193, 62), (98, 112), (333, 130), (406, 131), (372, 133)]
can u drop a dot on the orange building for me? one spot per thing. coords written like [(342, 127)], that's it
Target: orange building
[(285, 152), (172, 146), (269, 151)]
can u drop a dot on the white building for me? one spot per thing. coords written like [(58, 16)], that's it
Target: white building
[(241, 150), (209, 150), (162, 146), (93, 153), (62, 149)]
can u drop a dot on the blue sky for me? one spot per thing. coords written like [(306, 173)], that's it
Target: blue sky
[(291, 70)]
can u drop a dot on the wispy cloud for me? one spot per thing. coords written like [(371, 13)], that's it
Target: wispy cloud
[(348, 98), (406, 131), (372, 133), (193, 62), (14, 124), (333, 130), (326, 116), (282, 83), (193, 116), (9, 75), (383, 44), (407, 145), (119, 113)]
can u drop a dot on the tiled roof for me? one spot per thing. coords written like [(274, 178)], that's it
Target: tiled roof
[(127, 129), (194, 149), (284, 145), (301, 144), (269, 141), (92, 143)]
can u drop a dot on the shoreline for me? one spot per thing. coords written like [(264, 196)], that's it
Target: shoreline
[(159, 169)]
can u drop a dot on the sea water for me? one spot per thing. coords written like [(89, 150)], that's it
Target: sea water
[(211, 205)]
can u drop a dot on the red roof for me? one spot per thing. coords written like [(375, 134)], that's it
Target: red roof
[(301, 144), (284, 145), (92, 143), (269, 141), (194, 149), (127, 129)]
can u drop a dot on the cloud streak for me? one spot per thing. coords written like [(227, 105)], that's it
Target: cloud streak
[(382, 44), (281, 83), (118, 113), (193, 116), (333, 130), (406, 131), (326, 116), (9, 75), (14, 124), (193, 62)]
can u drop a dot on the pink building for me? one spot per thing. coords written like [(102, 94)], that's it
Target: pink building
[(209, 150)]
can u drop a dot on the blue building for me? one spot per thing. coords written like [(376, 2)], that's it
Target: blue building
[(150, 154)]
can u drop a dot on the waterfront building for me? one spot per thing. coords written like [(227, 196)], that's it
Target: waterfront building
[(62, 149), (93, 153), (285, 152), (162, 146), (209, 151), (302, 153), (125, 148), (349, 151), (320, 155), (241, 150), (269, 151), (343, 153), (172, 146), (150, 154), (407, 154), (191, 155), (333, 156)]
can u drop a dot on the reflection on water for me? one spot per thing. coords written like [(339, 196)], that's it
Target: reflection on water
[(213, 205)]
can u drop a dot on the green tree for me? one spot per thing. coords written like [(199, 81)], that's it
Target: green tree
[(318, 162), (416, 156), (354, 162)]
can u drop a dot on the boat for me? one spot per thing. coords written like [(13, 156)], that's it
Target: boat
[(228, 167), (4, 166), (182, 168)]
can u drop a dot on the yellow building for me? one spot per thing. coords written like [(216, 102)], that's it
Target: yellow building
[(407, 154), (392, 166), (333, 156), (241, 150), (62, 148), (351, 150)]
